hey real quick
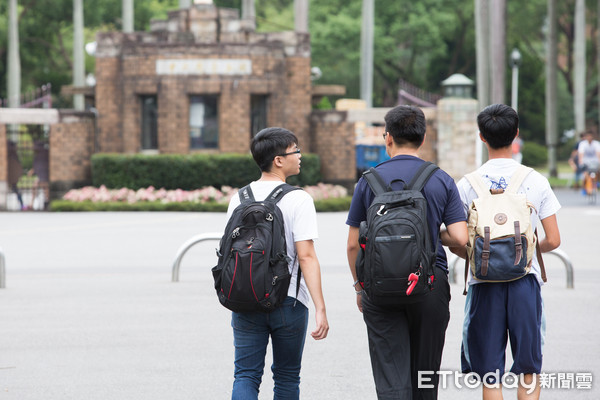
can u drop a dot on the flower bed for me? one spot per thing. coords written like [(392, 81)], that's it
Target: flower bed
[(327, 198)]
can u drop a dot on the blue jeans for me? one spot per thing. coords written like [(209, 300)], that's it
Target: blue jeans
[(287, 327)]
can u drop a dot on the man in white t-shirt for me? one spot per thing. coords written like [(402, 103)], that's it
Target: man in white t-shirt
[(498, 311), (276, 152)]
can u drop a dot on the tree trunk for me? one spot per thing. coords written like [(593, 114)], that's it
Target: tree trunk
[(579, 67), (551, 88)]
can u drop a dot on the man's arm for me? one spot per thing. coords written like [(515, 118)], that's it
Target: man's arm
[(455, 236), (309, 265), (552, 239), (352, 252)]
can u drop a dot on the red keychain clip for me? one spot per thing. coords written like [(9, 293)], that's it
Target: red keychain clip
[(412, 282)]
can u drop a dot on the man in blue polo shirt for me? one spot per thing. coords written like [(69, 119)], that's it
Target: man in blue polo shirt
[(409, 338)]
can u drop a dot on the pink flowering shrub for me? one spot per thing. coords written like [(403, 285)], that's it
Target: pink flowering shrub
[(205, 195)]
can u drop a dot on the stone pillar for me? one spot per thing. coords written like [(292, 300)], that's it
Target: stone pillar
[(457, 136)]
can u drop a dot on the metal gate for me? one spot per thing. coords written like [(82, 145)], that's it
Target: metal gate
[(28, 167)]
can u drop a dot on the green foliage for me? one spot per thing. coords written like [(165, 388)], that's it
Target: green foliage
[(187, 172), (324, 104), (328, 205), (422, 42), (534, 154), (331, 205), (65, 205)]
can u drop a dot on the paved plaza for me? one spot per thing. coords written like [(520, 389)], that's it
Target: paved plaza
[(90, 312)]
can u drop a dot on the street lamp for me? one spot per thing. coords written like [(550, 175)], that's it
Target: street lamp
[(515, 62)]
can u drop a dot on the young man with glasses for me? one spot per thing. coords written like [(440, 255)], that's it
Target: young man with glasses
[(278, 156), (409, 338)]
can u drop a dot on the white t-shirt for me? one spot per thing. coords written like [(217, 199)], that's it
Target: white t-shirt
[(496, 173), (300, 222), (590, 153)]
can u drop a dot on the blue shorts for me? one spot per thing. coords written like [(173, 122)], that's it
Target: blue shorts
[(496, 312)]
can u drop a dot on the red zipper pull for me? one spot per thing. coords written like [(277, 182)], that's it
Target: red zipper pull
[(412, 282)]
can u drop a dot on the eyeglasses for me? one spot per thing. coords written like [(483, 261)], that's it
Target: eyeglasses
[(384, 135), (297, 151)]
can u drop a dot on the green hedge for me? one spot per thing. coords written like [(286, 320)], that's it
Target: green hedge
[(329, 205), (534, 154), (188, 172)]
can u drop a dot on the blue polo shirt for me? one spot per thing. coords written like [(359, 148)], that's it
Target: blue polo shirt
[(443, 201)]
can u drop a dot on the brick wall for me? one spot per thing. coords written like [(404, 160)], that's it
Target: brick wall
[(332, 138), (71, 149), (109, 104)]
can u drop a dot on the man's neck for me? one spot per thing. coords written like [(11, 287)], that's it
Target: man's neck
[(505, 152), (275, 176), (403, 151)]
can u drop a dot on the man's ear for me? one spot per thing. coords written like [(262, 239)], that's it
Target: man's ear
[(481, 138), (277, 163)]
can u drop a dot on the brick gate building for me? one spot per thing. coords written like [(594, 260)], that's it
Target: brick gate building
[(204, 81)]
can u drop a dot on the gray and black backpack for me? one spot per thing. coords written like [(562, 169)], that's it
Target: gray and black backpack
[(252, 272), (396, 259)]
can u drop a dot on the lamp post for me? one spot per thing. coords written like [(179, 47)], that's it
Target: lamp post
[(515, 62)]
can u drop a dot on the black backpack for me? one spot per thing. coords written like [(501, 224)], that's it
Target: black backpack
[(396, 258), (252, 272)]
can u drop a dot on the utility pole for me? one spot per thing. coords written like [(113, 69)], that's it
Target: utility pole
[(301, 16), (366, 52), (78, 62), (551, 88), (482, 38), (183, 4), (579, 67), (13, 76), (127, 16), (497, 18)]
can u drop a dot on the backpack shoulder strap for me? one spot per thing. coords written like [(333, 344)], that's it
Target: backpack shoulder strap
[(246, 194), (477, 184), (375, 181), (279, 192), (422, 176), (517, 178)]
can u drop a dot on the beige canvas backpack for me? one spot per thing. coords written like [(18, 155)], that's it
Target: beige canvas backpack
[(501, 239)]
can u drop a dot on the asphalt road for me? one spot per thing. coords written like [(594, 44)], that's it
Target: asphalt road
[(89, 312)]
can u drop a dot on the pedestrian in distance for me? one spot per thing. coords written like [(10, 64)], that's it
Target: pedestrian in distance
[(406, 330), (276, 152), (505, 308)]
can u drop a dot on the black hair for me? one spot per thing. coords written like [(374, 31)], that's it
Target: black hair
[(269, 143), (407, 125), (499, 125)]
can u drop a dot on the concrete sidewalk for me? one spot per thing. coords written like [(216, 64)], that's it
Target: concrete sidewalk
[(90, 311)]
